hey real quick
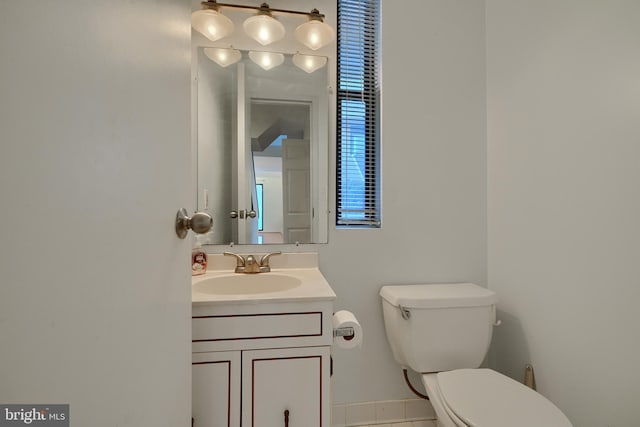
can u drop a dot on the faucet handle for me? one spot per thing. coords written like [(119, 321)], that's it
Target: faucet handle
[(264, 261), (240, 260)]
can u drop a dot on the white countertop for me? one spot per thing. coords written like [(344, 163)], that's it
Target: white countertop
[(301, 266)]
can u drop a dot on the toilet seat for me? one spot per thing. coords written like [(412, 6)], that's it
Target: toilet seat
[(486, 398)]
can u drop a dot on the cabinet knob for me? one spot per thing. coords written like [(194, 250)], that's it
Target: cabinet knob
[(286, 418)]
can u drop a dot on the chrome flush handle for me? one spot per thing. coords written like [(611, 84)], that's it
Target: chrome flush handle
[(496, 322), (404, 312)]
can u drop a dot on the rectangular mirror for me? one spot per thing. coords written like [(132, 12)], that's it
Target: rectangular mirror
[(262, 149)]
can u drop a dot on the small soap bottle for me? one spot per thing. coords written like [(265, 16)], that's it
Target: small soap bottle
[(198, 259)]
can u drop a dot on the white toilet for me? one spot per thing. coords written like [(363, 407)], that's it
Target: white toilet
[(444, 332)]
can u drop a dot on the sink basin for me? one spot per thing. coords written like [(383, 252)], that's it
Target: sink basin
[(246, 284), (294, 278)]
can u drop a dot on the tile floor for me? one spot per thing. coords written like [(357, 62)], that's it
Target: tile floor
[(389, 413), (407, 424)]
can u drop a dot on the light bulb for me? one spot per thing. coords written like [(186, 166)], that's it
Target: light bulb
[(315, 34), (266, 60), (309, 63), (211, 24), (263, 34), (264, 29), (223, 57)]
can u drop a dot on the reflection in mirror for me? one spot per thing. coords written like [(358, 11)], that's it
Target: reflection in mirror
[(262, 151), (281, 160)]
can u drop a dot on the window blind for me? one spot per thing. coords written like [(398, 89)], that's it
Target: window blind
[(358, 140)]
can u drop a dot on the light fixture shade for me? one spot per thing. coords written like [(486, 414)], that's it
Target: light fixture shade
[(267, 60), (211, 24), (315, 34), (264, 29), (223, 57), (309, 63)]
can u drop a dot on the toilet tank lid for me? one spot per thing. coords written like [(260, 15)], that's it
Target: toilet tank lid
[(438, 295)]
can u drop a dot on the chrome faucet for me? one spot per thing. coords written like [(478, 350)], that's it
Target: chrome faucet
[(250, 265)]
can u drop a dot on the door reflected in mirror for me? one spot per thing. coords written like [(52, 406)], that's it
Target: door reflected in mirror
[(262, 140)]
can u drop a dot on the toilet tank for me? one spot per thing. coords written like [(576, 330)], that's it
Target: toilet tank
[(439, 327)]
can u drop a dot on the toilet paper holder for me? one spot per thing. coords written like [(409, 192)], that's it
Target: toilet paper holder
[(344, 332)]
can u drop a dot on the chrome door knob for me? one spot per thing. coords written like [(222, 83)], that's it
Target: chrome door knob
[(233, 214), (200, 223)]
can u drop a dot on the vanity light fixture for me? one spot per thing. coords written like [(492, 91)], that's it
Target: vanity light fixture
[(262, 27), (315, 33), (211, 23), (266, 60), (309, 63), (223, 57)]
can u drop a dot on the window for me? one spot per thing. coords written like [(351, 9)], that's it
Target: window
[(358, 139), (260, 197)]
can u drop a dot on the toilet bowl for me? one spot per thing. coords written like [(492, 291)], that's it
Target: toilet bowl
[(444, 332), (483, 397)]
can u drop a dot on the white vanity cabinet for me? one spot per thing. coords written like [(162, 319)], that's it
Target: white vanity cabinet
[(262, 365), (216, 388), (286, 387)]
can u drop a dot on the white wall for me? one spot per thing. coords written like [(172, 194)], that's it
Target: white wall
[(263, 116), (434, 183), (564, 202), (433, 175), (272, 201), (214, 130)]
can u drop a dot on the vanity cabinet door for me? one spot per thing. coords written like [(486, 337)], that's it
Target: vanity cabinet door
[(216, 389), (289, 379)]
